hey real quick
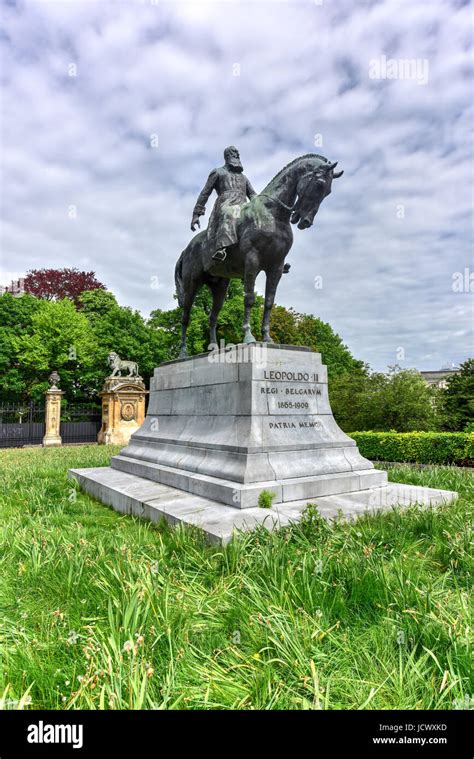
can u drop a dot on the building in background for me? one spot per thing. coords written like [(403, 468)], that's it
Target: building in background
[(16, 287), (439, 377)]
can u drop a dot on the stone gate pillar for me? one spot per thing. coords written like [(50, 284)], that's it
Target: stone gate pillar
[(52, 413), (123, 409)]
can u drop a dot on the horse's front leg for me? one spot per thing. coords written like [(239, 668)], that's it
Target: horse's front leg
[(273, 278), (251, 271), (219, 290), (190, 291)]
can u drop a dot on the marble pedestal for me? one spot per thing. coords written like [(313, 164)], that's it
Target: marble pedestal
[(231, 424), (223, 427)]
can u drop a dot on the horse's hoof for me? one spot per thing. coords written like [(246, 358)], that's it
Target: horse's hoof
[(183, 354), (249, 339), (267, 339)]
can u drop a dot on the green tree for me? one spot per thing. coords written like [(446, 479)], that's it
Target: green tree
[(406, 402), (284, 326), (97, 303), (121, 329), (347, 395), (399, 400), (61, 339), (458, 398), (16, 315), (321, 337), (37, 336)]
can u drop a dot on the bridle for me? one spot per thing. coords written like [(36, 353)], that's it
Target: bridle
[(291, 209)]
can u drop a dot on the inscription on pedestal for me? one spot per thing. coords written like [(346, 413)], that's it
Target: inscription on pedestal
[(295, 425), (283, 398), (289, 376)]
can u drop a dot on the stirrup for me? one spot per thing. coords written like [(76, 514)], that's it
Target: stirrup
[(220, 255)]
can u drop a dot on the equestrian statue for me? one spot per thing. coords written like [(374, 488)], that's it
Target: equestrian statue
[(248, 233)]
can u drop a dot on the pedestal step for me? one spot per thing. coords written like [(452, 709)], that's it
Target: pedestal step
[(130, 494), (245, 496)]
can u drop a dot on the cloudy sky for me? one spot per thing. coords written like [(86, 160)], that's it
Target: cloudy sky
[(115, 112)]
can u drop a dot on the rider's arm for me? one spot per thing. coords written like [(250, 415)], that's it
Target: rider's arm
[(200, 207), (250, 191)]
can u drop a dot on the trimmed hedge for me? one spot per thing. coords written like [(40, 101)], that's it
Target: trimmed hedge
[(417, 447)]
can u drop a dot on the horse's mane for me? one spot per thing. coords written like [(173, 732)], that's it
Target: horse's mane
[(295, 160)]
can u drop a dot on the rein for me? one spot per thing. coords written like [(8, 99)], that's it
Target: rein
[(277, 200)]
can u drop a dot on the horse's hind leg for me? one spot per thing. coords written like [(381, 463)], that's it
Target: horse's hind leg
[(189, 295), (219, 290), (251, 271)]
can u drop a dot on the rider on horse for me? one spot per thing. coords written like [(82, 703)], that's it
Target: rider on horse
[(263, 229), (233, 188)]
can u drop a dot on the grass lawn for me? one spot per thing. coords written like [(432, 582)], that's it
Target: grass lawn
[(101, 611)]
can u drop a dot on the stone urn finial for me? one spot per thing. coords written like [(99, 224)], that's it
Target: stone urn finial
[(53, 380)]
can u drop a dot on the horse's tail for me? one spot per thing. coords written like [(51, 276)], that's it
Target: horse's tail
[(178, 279)]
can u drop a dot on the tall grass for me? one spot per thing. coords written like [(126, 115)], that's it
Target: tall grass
[(102, 611)]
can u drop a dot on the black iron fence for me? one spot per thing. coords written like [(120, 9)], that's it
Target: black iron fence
[(80, 423), (21, 424)]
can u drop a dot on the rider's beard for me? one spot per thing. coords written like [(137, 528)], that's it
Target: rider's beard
[(234, 164)]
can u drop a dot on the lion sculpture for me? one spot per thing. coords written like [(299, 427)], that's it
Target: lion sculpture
[(118, 366)]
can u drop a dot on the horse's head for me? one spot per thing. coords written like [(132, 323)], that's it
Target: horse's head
[(312, 187)]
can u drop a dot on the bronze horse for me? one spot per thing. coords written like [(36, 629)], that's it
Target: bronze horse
[(265, 238)]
